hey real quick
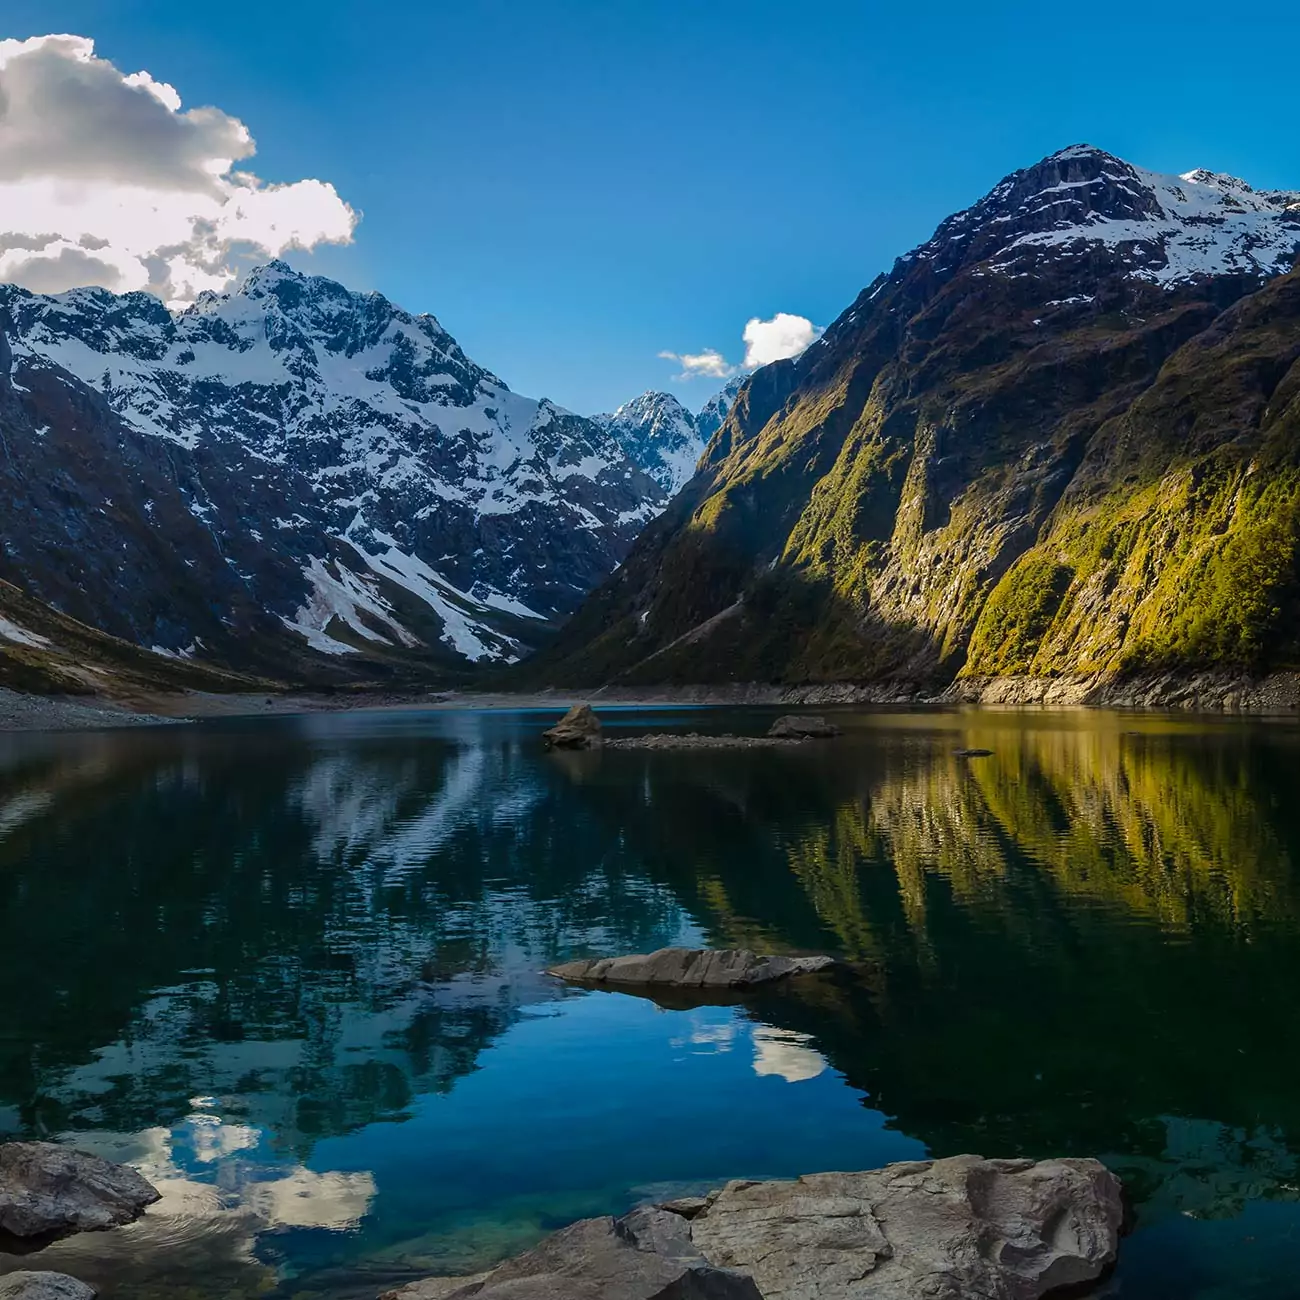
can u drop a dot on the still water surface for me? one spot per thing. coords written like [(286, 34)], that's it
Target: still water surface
[(291, 969)]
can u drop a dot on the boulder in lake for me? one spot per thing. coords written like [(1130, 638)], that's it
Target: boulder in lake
[(689, 968), (579, 729), (28, 1285), (646, 1255), (939, 1229), (795, 727), (47, 1190)]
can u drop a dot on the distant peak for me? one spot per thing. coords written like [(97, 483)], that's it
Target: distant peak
[(269, 273), (652, 400)]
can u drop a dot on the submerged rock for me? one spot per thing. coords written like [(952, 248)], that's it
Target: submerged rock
[(579, 729), (27, 1285), (939, 1229), (922, 1230), (796, 727), (646, 1255), (710, 968), (48, 1190)]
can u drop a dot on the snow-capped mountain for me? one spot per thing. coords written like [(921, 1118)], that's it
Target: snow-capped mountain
[(357, 475), (665, 439), (1082, 204), (659, 434)]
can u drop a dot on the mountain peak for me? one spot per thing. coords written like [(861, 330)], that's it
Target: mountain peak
[(1108, 216), (658, 434)]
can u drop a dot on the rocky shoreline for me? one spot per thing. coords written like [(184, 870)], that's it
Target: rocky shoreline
[(1277, 694), (20, 712), (964, 1226)]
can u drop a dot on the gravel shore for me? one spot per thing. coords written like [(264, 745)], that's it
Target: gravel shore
[(20, 712)]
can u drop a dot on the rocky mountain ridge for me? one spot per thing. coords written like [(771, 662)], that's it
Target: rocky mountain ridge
[(296, 473), (1033, 446)]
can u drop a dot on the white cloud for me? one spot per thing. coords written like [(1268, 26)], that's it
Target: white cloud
[(778, 339), (710, 363), (105, 180)]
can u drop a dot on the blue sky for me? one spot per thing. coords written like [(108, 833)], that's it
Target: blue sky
[(574, 187)]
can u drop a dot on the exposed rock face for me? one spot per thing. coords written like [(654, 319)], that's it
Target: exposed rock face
[(796, 727), (927, 1230), (690, 968), (28, 1285), (647, 1255), (1047, 442), (580, 728), (297, 466), (49, 1190), (942, 1230)]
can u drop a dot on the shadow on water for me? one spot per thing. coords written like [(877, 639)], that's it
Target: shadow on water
[(293, 971)]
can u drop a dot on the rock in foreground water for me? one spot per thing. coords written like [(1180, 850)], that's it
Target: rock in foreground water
[(924, 1230), (646, 1255), (27, 1285), (997, 1229), (690, 968), (48, 1190), (795, 727), (579, 729)]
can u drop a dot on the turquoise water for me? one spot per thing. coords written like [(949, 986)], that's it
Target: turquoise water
[(291, 969)]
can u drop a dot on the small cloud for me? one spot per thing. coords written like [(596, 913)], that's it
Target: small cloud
[(709, 363), (778, 339)]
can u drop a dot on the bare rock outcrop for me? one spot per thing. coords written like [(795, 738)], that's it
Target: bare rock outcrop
[(646, 1255), (47, 1190), (923, 1230), (32, 1285), (579, 729), (932, 1229), (796, 726), (689, 968)]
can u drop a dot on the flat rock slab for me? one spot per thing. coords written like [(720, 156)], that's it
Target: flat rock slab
[(694, 740), (47, 1190), (27, 1285), (959, 1229), (647, 1255), (923, 1230), (690, 968)]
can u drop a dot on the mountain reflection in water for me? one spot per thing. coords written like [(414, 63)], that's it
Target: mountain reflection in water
[(292, 971)]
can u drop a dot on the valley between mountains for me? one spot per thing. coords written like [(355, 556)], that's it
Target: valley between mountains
[(1057, 443)]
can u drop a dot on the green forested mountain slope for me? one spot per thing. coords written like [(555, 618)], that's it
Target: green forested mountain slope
[(1060, 437)]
